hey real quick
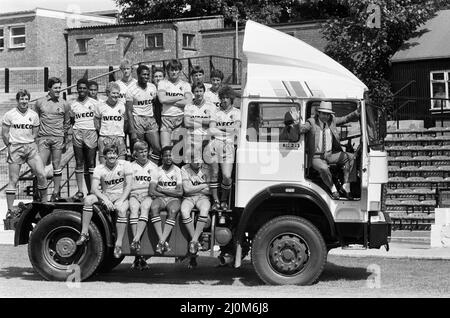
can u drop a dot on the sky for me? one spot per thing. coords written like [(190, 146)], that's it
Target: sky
[(63, 5)]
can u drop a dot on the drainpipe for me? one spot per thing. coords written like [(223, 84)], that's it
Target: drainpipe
[(175, 27), (66, 39)]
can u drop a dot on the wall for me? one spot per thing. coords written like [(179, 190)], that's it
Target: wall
[(19, 57), (107, 44), (222, 42), (52, 45), (418, 71)]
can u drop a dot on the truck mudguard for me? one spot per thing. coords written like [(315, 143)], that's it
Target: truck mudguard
[(279, 191)]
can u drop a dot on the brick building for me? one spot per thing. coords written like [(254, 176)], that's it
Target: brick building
[(202, 39), (31, 40), (223, 41)]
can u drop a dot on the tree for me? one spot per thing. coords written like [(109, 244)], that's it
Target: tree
[(265, 11), (373, 31)]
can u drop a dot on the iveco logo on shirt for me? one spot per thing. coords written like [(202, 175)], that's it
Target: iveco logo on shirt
[(167, 184), (220, 124), (114, 181), (196, 183), (199, 116), (143, 178), (84, 115), (114, 118), (144, 102), (22, 126), (174, 94)]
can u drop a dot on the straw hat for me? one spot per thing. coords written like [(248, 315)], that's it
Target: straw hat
[(325, 107)]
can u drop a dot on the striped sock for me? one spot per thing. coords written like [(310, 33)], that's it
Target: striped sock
[(186, 221), (203, 219), (170, 222), (143, 218), (88, 209), (154, 157), (134, 220), (155, 219), (122, 220)]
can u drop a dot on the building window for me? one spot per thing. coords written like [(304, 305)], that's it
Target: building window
[(188, 41), (439, 87), (154, 41), (82, 46), (2, 39), (17, 36)]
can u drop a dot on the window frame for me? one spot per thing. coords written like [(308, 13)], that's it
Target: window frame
[(11, 36), (2, 37), (263, 130), (155, 37), (192, 42), (86, 41), (446, 82)]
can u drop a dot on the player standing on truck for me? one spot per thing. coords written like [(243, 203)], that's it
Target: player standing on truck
[(111, 117), (19, 131), (166, 190), (142, 123), (174, 94), (224, 126), (54, 116), (115, 178), (126, 80), (84, 137), (212, 93), (196, 119), (157, 76), (198, 76)]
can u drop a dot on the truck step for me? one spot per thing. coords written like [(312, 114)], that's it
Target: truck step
[(354, 247)]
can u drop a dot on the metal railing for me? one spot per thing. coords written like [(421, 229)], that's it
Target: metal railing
[(432, 111)]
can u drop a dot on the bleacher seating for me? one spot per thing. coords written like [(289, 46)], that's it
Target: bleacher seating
[(419, 166)]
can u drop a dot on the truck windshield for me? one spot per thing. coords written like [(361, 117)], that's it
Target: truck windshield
[(376, 125)]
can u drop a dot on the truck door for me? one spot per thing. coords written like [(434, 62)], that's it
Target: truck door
[(270, 151)]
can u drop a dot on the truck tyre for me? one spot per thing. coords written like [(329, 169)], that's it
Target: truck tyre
[(288, 250), (53, 252), (109, 262)]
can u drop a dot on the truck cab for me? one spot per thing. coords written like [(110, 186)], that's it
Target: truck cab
[(276, 189)]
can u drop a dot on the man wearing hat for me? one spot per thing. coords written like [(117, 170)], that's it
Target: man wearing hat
[(324, 148)]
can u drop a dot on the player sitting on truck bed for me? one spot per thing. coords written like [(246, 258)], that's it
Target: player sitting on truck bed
[(19, 131), (166, 191), (324, 148), (196, 178), (224, 126), (115, 177), (140, 201)]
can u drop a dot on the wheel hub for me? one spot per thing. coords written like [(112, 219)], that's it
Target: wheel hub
[(288, 254), (66, 247)]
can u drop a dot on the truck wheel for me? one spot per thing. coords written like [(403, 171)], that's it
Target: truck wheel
[(109, 262), (53, 252), (288, 250)]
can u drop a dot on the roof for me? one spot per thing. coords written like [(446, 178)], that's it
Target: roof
[(56, 14), (145, 22), (433, 41), (291, 67)]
